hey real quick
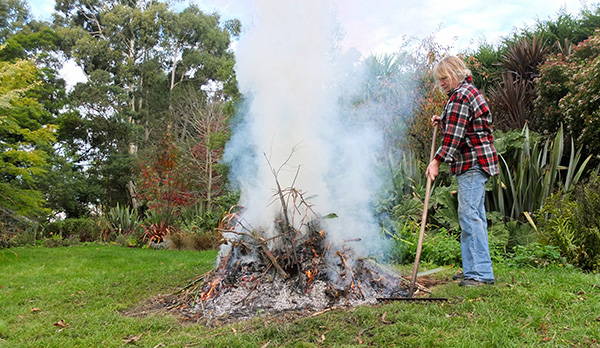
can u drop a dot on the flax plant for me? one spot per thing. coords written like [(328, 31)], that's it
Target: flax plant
[(406, 172), (529, 174), (123, 220)]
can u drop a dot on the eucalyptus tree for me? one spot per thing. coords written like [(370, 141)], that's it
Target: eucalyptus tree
[(135, 56), (13, 16)]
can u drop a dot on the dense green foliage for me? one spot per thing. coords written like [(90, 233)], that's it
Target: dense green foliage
[(530, 170), (139, 141), (140, 60), (535, 82), (573, 225), (568, 90), (82, 229), (150, 73), (26, 134)]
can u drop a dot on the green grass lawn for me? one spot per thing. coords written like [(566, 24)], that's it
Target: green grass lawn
[(75, 296)]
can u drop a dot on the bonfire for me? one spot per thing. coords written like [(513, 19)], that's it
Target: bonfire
[(292, 270)]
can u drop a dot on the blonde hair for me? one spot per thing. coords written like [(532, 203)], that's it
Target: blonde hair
[(451, 67)]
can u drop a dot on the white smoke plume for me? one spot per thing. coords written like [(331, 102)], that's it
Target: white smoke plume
[(293, 74)]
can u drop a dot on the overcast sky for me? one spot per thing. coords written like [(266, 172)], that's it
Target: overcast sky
[(378, 26), (381, 26)]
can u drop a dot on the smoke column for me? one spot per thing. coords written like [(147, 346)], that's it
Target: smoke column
[(293, 74)]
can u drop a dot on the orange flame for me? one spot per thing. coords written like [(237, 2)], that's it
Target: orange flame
[(315, 252), (310, 274), (208, 294)]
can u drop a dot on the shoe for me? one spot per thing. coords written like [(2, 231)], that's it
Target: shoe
[(458, 276), (473, 282)]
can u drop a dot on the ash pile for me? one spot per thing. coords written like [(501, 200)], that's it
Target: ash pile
[(294, 271)]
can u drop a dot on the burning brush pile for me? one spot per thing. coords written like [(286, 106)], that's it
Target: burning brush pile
[(295, 271)]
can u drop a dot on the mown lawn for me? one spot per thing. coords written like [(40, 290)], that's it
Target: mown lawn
[(75, 296)]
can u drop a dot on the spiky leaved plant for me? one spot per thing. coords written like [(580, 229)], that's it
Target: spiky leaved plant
[(512, 97), (530, 170)]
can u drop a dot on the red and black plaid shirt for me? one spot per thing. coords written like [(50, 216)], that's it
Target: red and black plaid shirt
[(467, 134)]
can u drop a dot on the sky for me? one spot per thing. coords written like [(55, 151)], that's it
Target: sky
[(382, 26), (375, 27)]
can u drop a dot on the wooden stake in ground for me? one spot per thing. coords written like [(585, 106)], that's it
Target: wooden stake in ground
[(413, 280)]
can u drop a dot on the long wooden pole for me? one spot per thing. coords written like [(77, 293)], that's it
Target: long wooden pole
[(413, 279)]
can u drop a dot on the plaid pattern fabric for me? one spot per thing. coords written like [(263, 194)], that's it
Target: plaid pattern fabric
[(467, 134)]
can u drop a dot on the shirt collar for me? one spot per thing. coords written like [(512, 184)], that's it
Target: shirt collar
[(467, 80)]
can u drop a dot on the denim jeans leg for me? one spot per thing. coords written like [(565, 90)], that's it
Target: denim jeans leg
[(476, 260)]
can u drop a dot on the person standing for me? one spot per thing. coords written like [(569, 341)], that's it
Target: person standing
[(468, 147)]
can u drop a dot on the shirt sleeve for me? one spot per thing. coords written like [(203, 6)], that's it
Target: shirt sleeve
[(456, 119)]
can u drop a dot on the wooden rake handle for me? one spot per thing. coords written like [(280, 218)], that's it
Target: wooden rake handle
[(413, 279)]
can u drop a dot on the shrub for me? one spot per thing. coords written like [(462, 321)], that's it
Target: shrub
[(122, 240), (16, 230), (573, 225), (442, 248), (200, 222), (84, 229), (58, 241), (439, 247), (568, 91), (30, 236), (126, 241), (199, 218), (403, 244), (511, 99), (203, 241), (536, 255), (176, 241), (190, 241), (446, 206)]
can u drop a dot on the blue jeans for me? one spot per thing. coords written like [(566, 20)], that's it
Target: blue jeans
[(475, 250)]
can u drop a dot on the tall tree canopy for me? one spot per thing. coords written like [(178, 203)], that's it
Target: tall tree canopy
[(137, 56), (31, 96), (25, 139)]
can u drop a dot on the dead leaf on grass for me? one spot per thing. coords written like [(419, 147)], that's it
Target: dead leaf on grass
[(360, 341), (33, 310), (322, 338), (266, 344), (383, 319), (132, 339), (62, 324)]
